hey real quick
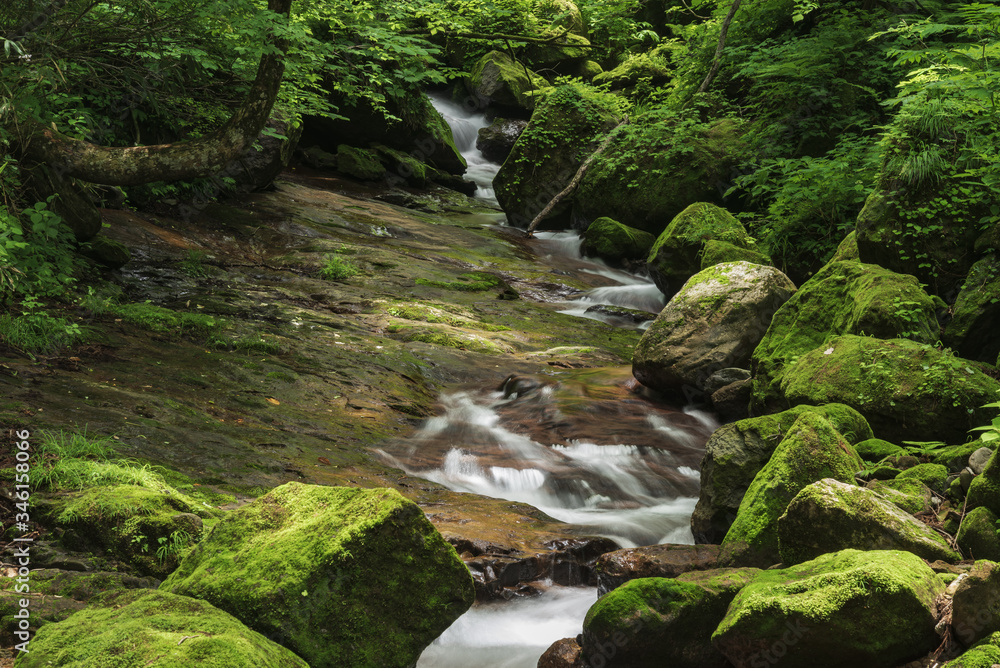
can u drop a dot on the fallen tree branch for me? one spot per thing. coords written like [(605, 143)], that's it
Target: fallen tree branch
[(575, 181)]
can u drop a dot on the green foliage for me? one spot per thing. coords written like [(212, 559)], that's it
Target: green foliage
[(257, 344), (811, 203), (336, 268), (173, 546), (192, 264), (74, 461), (159, 319), (990, 432)]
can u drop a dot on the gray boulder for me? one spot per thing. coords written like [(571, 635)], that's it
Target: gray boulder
[(715, 322)]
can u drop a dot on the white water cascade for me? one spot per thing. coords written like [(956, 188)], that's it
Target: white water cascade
[(621, 466), (465, 126), (633, 291)]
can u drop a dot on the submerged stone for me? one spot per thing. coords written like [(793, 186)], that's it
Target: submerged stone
[(341, 576)]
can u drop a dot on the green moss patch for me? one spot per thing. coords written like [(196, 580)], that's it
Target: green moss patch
[(343, 576), (154, 629)]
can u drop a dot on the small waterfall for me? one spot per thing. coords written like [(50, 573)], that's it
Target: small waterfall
[(465, 126), (626, 469)]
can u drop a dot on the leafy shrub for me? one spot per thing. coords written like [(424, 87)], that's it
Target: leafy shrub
[(336, 268)]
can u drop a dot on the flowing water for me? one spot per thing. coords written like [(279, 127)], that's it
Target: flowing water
[(465, 126), (587, 447)]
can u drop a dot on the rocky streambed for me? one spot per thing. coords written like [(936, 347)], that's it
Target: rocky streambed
[(222, 354)]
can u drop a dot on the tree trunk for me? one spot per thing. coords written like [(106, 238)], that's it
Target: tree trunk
[(575, 181), (722, 44), (133, 165)]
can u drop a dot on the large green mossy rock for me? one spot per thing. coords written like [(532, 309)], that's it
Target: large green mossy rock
[(847, 251), (974, 329), (565, 128), (341, 576), (654, 168), (714, 322), (977, 537), (129, 523), (842, 298), (984, 654), (976, 603), (736, 452), (653, 622), (907, 494), (906, 390), (613, 242), (829, 516), (361, 163), (498, 79), (875, 449), (811, 450), (935, 476), (676, 255), (842, 610), (563, 50), (654, 66), (157, 629)]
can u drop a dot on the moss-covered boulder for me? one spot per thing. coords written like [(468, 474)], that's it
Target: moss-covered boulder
[(653, 66), (660, 621), (984, 654), (155, 628), (907, 391), (974, 330), (842, 298), (811, 450), (719, 252), (977, 537), (736, 452), (676, 255), (975, 607), (847, 251), (829, 516), (56, 594), (613, 242), (923, 216), (562, 51), (498, 79), (713, 323), (909, 494), (420, 129), (984, 492), (841, 610), (935, 476), (341, 576), (562, 14), (876, 449), (657, 166), (144, 528), (565, 128), (361, 163)]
